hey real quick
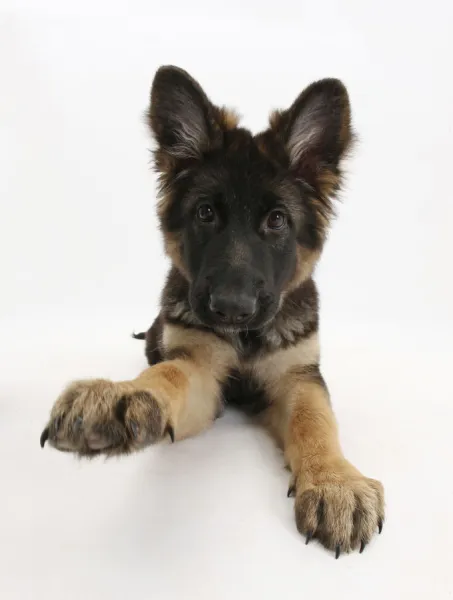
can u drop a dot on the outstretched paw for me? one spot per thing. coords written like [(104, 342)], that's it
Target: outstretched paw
[(99, 416), (343, 511)]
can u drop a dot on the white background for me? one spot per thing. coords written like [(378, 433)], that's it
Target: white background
[(82, 266)]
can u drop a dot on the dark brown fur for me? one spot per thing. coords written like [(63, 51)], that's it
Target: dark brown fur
[(271, 369)]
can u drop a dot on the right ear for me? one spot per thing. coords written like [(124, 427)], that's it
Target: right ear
[(184, 122)]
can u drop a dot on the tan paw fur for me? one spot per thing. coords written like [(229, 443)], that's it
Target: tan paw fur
[(99, 416), (340, 507)]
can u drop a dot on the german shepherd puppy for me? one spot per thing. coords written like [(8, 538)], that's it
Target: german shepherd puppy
[(244, 219)]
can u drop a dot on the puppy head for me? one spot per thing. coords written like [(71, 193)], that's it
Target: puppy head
[(245, 217)]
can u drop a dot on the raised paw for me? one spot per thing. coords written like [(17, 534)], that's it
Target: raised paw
[(99, 416), (342, 510)]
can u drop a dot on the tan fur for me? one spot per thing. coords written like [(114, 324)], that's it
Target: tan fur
[(164, 163), (210, 361), (305, 265), (333, 499), (84, 418), (227, 118), (165, 200), (272, 367), (162, 207), (274, 119), (172, 244), (328, 183), (206, 349), (181, 394)]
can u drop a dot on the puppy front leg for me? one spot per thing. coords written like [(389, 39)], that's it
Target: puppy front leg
[(334, 502), (178, 397)]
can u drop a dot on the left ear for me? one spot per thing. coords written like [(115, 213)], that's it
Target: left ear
[(316, 133)]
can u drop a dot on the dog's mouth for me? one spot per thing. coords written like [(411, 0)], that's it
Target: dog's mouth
[(264, 314), (244, 329)]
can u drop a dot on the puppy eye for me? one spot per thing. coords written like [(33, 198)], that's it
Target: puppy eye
[(205, 213), (276, 220)]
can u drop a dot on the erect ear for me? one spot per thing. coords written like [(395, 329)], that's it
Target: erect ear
[(184, 122), (316, 133)]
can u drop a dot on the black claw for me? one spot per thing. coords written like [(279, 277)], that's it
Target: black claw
[(134, 428), (380, 525), (77, 424), (171, 432), (291, 490), (362, 546), (308, 538), (337, 552), (139, 336), (44, 437)]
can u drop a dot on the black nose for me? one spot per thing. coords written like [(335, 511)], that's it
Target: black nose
[(232, 308)]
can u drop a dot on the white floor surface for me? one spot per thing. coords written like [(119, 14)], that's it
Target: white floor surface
[(208, 518)]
